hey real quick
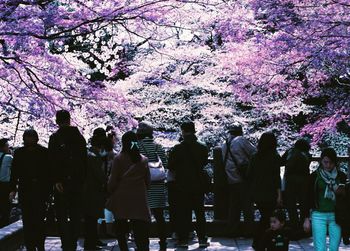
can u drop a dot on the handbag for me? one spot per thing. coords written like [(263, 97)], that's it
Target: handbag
[(156, 168)]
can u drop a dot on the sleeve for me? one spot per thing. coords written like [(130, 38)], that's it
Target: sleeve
[(14, 172), (309, 194), (251, 169), (172, 159), (277, 172), (147, 176), (56, 173), (205, 156), (162, 155), (8, 164)]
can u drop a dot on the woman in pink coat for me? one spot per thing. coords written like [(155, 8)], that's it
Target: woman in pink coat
[(128, 185)]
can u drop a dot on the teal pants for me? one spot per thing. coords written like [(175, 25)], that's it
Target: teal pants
[(321, 222)]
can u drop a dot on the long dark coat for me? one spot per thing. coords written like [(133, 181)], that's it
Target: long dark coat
[(94, 193)]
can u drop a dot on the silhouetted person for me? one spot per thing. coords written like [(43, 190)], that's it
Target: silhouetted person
[(68, 154), (31, 178), (188, 159), (94, 195), (297, 162), (5, 173), (264, 173)]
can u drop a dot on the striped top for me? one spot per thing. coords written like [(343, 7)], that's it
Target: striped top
[(152, 151), (157, 190)]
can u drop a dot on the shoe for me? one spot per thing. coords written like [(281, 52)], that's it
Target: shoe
[(203, 243)]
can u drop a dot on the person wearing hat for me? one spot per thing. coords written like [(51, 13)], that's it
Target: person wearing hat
[(236, 152), (5, 172), (157, 189), (31, 178), (188, 160)]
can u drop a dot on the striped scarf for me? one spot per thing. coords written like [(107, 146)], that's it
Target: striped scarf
[(331, 185)]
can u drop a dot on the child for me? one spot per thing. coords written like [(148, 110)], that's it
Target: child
[(277, 236)]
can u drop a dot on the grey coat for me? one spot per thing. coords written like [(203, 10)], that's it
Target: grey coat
[(242, 151)]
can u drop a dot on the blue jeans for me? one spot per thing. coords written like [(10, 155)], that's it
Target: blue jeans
[(320, 223)]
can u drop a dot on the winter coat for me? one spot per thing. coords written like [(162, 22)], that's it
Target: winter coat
[(127, 186)]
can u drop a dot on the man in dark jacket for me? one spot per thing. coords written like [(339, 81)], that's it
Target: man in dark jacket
[(188, 160), (68, 153), (30, 172)]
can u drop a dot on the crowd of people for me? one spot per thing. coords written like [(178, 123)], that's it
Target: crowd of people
[(93, 182)]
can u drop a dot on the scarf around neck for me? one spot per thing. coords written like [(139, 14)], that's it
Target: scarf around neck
[(330, 180)]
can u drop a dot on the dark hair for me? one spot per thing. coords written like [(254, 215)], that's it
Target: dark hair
[(279, 215), (62, 117), (3, 142), (188, 126), (129, 146), (330, 153), (267, 143), (99, 132), (31, 133), (302, 145)]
